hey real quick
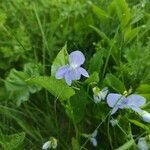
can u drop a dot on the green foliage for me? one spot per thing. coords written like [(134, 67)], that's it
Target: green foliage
[(127, 145), (60, 60), (114, 83), (17, 87), (114, 37), (12, 142), (56, 87)]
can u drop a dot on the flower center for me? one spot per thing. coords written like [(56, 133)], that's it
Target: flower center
[(73, 66)]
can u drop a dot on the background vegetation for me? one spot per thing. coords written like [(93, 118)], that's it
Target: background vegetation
[(113, 35)]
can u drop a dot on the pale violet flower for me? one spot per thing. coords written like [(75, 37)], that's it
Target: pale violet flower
[(118, 101), (145, 116), (143, 144), (73, 70), (52, 143), (99, 94), (93, 138)]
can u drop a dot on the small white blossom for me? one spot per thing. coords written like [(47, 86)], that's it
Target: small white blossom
[(52, 143), (99, 94), (46, 145), (113, 122)]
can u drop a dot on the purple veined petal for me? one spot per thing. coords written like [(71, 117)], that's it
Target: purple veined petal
[(61, 72), (83, 72), (135, 100), (115, 99), (74, 74), (68, 78), (76, 59)]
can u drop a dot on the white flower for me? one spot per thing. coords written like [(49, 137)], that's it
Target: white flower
[(99, 94), (146, 116), (113, 122), (142, 144), (52, 143), (46, 145)]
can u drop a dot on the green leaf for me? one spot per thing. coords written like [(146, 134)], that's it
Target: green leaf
[(139, 124), (58, 88), (93, 78), (17, 87), (123, 12), (144, 90), (130, 34), (60, 60), (115, 83), (101, 14), (96, 62), (12, 142), (101, 34), (78, 104), (127, 145)]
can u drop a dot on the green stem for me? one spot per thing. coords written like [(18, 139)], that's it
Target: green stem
[(73, 120)]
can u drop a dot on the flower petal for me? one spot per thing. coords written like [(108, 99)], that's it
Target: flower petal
[(114, 110), (74, 74), (135, 100), (61, 72), (104, 92), (83, 72), (136, 109), (115, 99), (76, 58), (46, 145), (94, 141), (94, 134), (146, 116), (68, 78)]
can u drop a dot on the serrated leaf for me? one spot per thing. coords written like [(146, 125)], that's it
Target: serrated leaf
[(58, 88), (113, 82), (60, 60)]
